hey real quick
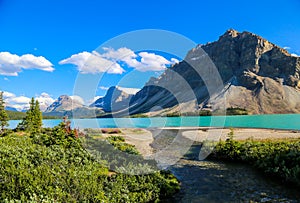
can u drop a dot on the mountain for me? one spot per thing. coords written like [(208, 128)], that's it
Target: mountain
[(115, 99), (255, 74), (64, 103), (9, 108), (71, 107)]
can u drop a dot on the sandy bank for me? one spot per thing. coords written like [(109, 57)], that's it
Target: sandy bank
[(143, 138)]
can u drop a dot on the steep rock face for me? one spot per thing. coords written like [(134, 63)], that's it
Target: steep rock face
[(256, 75), (245, 54), (116, 98)]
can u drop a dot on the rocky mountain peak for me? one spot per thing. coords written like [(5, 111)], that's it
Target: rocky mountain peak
[(116, 98), (230, 33), (64, 98), (64, 103), (257, 74), (237, 54)]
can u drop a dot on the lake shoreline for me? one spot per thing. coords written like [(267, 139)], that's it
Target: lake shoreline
[(274, 121)]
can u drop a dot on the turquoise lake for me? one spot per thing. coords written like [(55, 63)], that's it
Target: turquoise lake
[(277, 121)]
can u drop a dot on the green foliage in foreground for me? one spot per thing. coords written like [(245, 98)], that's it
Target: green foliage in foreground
[(119, 143), (277, 158), (52, 166)]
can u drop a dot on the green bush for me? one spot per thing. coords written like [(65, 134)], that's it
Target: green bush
[(53, 166), (236, 111), (278, 158), (119, 143)]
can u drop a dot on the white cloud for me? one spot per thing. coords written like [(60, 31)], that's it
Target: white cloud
[(18, 102), (287, 48), (93, 63), (7, 95), (22, 102), (6, 79), (121, 54), (103, 88), (110, 61), (77, 99), (295, 55), (12, 64), (148, 61), (91, 101), (45, 100), (151, 62), (174, 60), (129, 90)]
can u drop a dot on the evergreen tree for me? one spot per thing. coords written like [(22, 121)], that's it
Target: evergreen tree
[(3, 114), (33, 120), (37, 117)]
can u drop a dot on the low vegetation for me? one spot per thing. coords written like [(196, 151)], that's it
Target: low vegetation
[(197, 113), (236, 111), (140, 115), (61, 164), (111, 131), (119, 143), (279, 158)]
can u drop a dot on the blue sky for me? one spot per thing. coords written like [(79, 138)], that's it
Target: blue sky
[(58, 29)]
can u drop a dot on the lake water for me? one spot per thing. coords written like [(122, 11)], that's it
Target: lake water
[(282, 121)]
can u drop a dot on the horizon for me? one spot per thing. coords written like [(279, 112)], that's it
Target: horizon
[(44, 44)]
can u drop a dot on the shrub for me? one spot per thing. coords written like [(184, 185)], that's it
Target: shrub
[(53, 166), (277, 158)]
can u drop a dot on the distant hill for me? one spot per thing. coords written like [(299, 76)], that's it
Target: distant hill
[(15, 115), (9, 108)]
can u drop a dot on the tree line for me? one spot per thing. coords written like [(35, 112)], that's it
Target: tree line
[(32, 122)]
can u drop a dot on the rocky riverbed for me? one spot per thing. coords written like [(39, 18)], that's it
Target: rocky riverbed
[(209, 181), (213, 181)]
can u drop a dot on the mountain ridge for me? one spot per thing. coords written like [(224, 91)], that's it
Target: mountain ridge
[(259, 76), (115, 99)]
